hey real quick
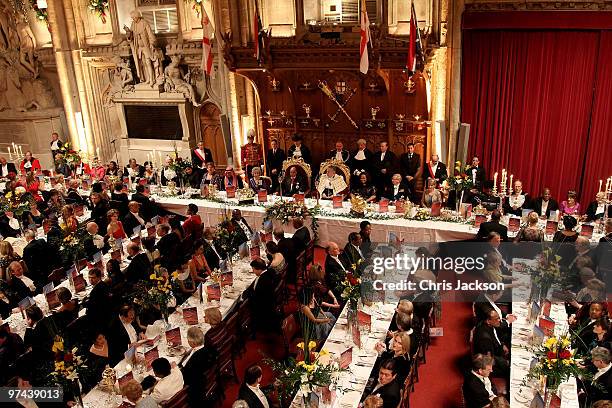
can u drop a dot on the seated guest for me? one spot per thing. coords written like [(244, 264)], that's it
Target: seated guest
[(122, 334), (493, 226), (335, 268), (133, 218), (20, 283), (321, 322), (198, 360), (7, 255), (258, 182), (261, 294), (387, 387), (32, 186), (35, 216), (301, 236), (530, 232), (294, 184), (186, 284), (167, 246), (594, 290), (9, 225), (93, 242), (97, 169), (133, 170), (198, 266), (39, 258), (250, 392), (37, 337), (595, 210), (431, 194), (231, 179), (99, 209), (365, 231), (517, 200), (192, 226), (487, 341), (339, 153), (112, 169), (120, 198), (72, 194), (30, 164), (132, 392), (193, 177), (544, 204), (140, 267), (275, 258), (298, 150), (6, 167), (399, 351), (317, 281), (584, 320), (352, 250), (435, 169), (115, 227), (150, 175), (212, 316), (570, 206), (241, 226), (365, 189), (69, 309), (168, 173), (331, 184), (147, 207), (169, 380), (211, 177), (97, 358), (11, 347), (602, 336), (398, 190), (600, 387), (213, 253), (286, 246), (478, 390), (98, 300), (487, 301)]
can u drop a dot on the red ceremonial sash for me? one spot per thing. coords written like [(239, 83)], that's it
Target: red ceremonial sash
[(200, 156)]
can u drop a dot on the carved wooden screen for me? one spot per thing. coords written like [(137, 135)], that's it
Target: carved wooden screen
[(210, 126)]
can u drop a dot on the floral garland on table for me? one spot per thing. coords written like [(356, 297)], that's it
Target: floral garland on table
[(460, 180), (286, 210), (99, 7), (422, 214), (196, 6), (557, 362), (41, 14), (18, 201)]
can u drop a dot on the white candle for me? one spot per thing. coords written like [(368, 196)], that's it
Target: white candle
[(600, 181), (495, 179)]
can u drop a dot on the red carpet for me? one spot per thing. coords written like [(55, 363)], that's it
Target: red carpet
[(440, 378)]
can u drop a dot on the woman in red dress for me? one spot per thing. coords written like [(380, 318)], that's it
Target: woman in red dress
[(115, 227), (32, 186)]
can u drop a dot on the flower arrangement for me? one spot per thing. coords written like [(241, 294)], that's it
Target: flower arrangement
[(157, 292), (100, 7), (226, 237), (545, 273), (196, 5), (41, 13), (72, 243), (284, 211), (557, 362), (422, 214), (305, 376), (67, 364), (350, 288), (460, 180), (17, 201), (67, 155)]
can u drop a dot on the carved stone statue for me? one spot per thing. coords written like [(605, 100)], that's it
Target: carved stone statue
[(27, 45), (177, 82), (5, 25), (121, 80), (142, 42)]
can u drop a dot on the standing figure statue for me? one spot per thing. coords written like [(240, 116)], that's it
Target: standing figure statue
[(121, 80), (142, 42), (27, 45), (175, 81)]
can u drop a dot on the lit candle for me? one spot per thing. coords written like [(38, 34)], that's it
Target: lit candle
[(495, 179), (600, 181)]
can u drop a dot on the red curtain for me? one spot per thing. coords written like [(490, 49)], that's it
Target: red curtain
[(529, 97)]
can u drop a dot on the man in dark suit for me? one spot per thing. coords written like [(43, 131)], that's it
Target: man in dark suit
[(122, 334), (213, 253), (603, 252), (6, 167), (335, 268), (241, 227), (139, 268), (296, 183), (249, 390), (261, 294), (133, 219), (299, 150), (72, 194), (477, 174), (492, 226), (410, 167), (201, 155), (487, 341), (98, 301), (478, 390), (600, 387), (352, 250), (147, 207), (339, 153), (99, 209), (286, 246), (39, 258), (387, 386), (133, 170), (301, 236), (94, 242), (37, 336), (167, 246), (197, 361), (56, 144), (398, 190), (274, 163), (385, 163), (435, 169), (486, 197), (11, 347), (596, 209), (544, 204)]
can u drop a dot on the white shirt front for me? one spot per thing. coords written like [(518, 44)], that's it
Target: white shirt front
[(474, 175), (260, 395), (360, 155), (138, 218), (487, 383), (168, 386), (5, 169), (434, 168), (130, 331), (358, 250), (600, 209), (28, 282), (297, 152), (339, 155), (382, 156), (27, 165), (212, 245), (602, 371), (339, 262), (14, 223), (191, 353), (54, 145), (544, 207), (395, 189)]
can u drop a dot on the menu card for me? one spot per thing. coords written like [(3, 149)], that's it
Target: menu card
[(551, 227), (480, 218), (586, 231), (155, 220), (299, 198), (79, 283), (547, 325), (514, 224), (327, 396), (230, 191), (262, 196), (546, 305), (337, 201), (227, 278), (190, 315), (383, 206), (356, 336), (173, 337), (346, 358), (25, 303), (436, 209), (52, 299), (213, 292), (399, 206), (255, 252), (123, 380), (130, 355), (150, 356), (364, 319)]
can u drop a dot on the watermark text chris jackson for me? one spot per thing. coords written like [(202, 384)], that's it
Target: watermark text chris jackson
[(442, 285)]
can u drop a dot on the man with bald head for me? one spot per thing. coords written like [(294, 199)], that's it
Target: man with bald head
[(140, 267), (93, 242), (241, 227), (435, 169), (335, 268), (544, 204)]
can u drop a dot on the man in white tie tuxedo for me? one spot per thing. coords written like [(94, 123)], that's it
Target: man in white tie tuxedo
[(250, 391), (340, 153), (335, 268), (6, 167)]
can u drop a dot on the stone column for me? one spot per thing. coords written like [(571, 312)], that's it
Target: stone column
[(453, 96)]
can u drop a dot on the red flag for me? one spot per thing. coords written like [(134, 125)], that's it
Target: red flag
[(412, 47), (365, 39), (257, 27), (207, 55)]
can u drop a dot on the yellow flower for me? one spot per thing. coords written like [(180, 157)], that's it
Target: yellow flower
[(550, 343), (565, 342), (175, 274), (152, 276), (9, 194), (300, 345), (310, 367), (58, 344), (312, 345), (323, 352), (301, 363)]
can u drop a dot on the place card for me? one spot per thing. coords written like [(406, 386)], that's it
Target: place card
[(155, 220), (190, 315), (327, 396), (130, 355), (547, 325), (227, 279), (25, 303), (255, 252), (150, 356), (356, 336), (436, 331), (337, 201), (47, 288), (213, 292), (52, 299), (514, 224), (436, 208), (551, 227), (364, 319), (534, 312), (399, 207), (262, 196), (586, 230), (466, 210), (480, 218), (346, 358), (173, 337), (79, 283), (546, 305), (230, 191), (299, 198), (124, 379), (71, 272), (537, 336), (383, 206)]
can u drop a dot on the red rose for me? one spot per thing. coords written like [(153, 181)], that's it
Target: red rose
[(68, 357), (565, 354), (551, 355)]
